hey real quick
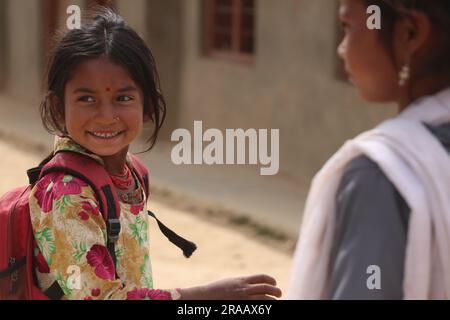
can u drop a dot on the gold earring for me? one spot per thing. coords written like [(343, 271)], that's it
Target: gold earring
[(404, 75)]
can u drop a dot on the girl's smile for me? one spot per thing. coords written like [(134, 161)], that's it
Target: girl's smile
[(105, 135), (109, 135)]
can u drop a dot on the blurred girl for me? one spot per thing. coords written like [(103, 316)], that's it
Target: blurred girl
[(377, 219)]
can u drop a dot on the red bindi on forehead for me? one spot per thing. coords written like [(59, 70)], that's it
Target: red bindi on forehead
[(108, 89)]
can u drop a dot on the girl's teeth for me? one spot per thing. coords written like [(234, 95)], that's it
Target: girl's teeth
[(105, 135)]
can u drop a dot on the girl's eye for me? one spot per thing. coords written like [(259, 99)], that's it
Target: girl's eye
[(125, 98), (87, 99)]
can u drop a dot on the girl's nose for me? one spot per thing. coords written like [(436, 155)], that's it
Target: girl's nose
[(342, 49), (106, 114)]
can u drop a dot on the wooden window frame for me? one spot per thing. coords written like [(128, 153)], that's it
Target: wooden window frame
[(234, 54)]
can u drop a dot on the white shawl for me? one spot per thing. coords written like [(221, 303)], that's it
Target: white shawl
[(419, 167)]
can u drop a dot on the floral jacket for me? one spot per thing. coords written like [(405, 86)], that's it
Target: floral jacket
[(70, 235)]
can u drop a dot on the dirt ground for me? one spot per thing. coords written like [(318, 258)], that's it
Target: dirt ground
[(224, 250)]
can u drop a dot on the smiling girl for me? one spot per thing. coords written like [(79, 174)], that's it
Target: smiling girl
[(377, 218), (102, 85)]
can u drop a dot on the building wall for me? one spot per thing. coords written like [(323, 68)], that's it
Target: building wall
[(24, 48), (3, 42), (165, 38), (135, 13), (292, 84)]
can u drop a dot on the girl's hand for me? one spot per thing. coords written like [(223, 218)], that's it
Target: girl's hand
[(256, 287)]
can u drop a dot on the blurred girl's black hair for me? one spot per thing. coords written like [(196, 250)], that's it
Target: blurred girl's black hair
[(106, 34), (438, 11)]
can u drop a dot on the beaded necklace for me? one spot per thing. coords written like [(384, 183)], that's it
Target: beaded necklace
[(123, 182)]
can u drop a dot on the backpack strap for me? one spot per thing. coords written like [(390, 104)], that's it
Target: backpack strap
[(188, 247)]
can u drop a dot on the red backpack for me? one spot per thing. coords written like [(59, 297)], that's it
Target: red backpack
[(17, 276)]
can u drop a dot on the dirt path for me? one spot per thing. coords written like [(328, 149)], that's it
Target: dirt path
[(222, 251)]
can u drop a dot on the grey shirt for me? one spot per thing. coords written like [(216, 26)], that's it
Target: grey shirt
[(371, 229)]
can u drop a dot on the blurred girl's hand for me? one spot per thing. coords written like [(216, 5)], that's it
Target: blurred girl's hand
[(256, 287)]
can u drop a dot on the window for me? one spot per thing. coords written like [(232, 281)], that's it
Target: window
[(230, 29)]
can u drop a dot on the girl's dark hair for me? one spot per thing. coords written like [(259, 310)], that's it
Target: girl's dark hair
[(438, 12), (106, 35)]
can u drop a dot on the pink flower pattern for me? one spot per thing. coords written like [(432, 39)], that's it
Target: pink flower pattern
[(99, 258), (83, 215), (136, 208), (44, 194), (68, 186), (53, 186), (89, 208), (148, 294), (95, 292)]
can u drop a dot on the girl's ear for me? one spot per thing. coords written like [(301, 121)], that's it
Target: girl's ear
[(411, 34)]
